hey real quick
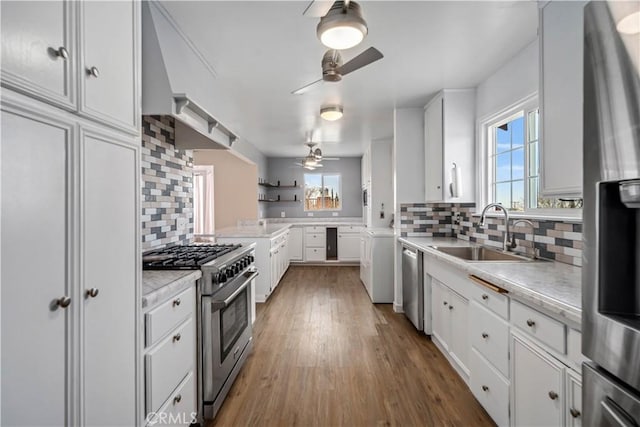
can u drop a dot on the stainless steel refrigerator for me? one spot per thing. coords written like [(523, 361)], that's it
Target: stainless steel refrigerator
[(611, 271)]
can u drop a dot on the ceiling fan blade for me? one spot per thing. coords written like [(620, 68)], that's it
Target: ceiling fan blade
[(305, 88), (365, 58), (318, 8)]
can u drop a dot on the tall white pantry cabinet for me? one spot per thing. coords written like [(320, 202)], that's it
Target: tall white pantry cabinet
[(70, 184)]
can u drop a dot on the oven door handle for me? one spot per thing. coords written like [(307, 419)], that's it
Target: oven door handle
[(218, 304)]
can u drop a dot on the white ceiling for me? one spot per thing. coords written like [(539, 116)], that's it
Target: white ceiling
[(263, 50)]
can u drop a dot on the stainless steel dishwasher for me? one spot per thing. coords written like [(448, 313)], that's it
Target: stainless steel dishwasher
[(412, 288)]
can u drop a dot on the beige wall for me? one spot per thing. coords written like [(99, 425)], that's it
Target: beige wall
[(235, 186)]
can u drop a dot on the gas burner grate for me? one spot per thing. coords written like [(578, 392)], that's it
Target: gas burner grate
[(184, 257)]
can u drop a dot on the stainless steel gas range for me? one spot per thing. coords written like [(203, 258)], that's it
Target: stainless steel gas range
[(224, 312)]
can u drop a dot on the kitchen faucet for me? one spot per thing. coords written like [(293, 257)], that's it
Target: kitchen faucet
[(534, 255), (505, 241)]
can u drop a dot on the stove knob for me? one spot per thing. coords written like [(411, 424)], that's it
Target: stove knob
[(230, 273), (239, 267), (245, 262), (222, 278), (251, 258)]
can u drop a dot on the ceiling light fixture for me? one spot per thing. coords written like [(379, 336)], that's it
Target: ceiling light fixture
[(630, 24), (343, 26), (331, 112)]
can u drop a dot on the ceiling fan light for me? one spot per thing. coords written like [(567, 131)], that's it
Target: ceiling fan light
[(630, 24), (331, 113), (317, 154), (340, 28)]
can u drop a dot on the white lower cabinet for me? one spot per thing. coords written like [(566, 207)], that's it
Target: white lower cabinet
[(296, 244), (315, 244), (170, 361), (538, 386), (490, 388), (349, 243), (450, 323), (574, 399)]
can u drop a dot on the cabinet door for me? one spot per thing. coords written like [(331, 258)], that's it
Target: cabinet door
[(295, 244), (440, 312), (459, 343), (348, 247), (111, 259), (433, 149), (574, 399), (538, 394), (273, 274), (35, 37), (561, 46), (36, 332), (110, 45)]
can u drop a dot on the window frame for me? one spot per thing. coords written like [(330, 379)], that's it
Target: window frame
[(322, 176), (484, 166)]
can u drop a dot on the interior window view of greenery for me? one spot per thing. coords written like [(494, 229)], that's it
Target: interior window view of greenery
[(322, 192), (514, 159)]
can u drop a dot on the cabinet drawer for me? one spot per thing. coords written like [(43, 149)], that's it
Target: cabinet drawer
[(160, 320), (549, 331), (168, 363), (490, 336), (350, 229), (315, 240), (494, 301), (315, 229), (491, 390), (315, 254), (180, 406)]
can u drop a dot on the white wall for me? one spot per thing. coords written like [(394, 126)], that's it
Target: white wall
[(511, 82), (408, 178)]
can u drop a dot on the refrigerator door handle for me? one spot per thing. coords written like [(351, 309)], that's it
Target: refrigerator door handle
[(615, 415)]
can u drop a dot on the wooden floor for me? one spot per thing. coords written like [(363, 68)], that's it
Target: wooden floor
[(324, 355)]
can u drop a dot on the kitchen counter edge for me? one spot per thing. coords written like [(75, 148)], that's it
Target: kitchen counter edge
[(160, 285)]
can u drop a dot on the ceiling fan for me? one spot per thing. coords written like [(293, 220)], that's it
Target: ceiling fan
[(313, 159), (340, 20), (333, 69)]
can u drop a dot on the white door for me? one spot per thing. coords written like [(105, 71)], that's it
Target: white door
[(538, 396), (459, 342), (348, 247), (36, 38), (110, 256), (36, 271), (108, 71), (295, 244), (440, 312), (433, 137)]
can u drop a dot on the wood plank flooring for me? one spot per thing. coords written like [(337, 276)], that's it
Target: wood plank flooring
[(324, 355)]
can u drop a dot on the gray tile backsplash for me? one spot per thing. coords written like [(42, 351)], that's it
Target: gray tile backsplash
[(167, 186)]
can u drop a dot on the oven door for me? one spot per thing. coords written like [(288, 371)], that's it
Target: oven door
[(226, 333)]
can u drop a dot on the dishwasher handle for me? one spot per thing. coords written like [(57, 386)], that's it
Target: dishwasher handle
[(410, 252)]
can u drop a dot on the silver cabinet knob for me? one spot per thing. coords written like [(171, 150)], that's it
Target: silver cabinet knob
[(61, 52), (450, 307), (574, 412), (93, 71), (177, 337), (485, 388), (531, 323), (63, 302), (92, 293), (176, 302), (177, 399), (485, 335), (553, 395), (485, 297)]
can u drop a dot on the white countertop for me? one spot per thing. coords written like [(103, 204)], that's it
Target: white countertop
[(159, 285), (552, 285), (257, 231)]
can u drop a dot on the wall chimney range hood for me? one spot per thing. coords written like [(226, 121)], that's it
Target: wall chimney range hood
[(173, 74)]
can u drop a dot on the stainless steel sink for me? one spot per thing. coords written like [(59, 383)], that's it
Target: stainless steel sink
[(480, 253)]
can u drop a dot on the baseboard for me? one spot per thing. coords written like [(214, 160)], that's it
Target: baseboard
[(397, 308)]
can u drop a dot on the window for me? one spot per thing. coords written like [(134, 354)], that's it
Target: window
[(322, 192), (513, 162)]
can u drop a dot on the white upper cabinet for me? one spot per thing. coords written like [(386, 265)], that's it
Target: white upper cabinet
[(91, 68), (561, 53), (449, 135), (108, 70), (38, 50)]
